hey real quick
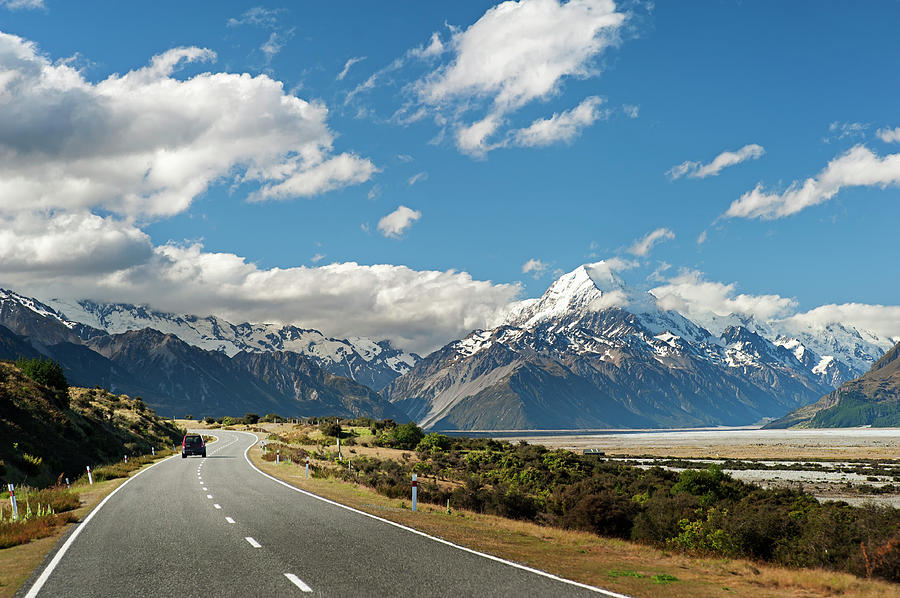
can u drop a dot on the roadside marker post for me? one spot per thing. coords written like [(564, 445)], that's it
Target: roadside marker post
[(126, 458), (67, 482), (90, 477), (153, 450), (12, 499), (278, 457), (307, 466), (415, 491)]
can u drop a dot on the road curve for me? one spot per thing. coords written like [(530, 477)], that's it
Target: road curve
[(219, 526)]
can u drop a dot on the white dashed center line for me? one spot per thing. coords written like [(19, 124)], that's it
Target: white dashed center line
[(298, 582), (253, 542), (217, 506), (229, 520), (209, 496), (205, 488)]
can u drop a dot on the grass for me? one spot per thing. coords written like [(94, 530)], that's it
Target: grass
[(625, 567), (35, 539)]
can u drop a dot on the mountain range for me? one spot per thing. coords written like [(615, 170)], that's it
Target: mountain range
[(591, 352), (873, 399), (594, 353), (177, 378)]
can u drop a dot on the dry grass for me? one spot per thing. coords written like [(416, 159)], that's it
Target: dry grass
[(626, 567)]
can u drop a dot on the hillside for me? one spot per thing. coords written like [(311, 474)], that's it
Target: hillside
[(873, 399), (43, 437)]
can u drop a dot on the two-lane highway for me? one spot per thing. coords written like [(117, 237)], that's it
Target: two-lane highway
[(218, 526)]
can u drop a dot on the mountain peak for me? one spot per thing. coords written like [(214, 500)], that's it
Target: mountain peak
[(586, 289)]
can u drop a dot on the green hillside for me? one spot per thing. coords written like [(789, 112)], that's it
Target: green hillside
[(873, 399), (46, 433)]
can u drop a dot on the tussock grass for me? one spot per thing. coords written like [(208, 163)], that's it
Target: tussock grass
[(40, 511)]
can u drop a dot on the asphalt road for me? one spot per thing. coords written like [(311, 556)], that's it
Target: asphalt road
[(218, 527)]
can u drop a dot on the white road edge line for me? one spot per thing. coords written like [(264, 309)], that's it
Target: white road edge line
[(253, 542), (298, 582), (430, 537), (65, 547)]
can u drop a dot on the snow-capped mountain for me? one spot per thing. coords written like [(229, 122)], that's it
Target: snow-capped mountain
[(373, 363), (176, 377), (592, 352)]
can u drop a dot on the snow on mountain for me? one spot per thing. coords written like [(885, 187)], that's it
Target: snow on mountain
[(36, 306), (374, 363)]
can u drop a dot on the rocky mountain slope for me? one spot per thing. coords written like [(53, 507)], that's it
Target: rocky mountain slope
[(177, 378), (592, 352), (873, 399), (372, 363)]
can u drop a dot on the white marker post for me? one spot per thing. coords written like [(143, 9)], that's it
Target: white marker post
[(415, 491), (67, 482), (153, 450), (307, 466), (90, 477), (126, 458), (12, 499), (278, 457)]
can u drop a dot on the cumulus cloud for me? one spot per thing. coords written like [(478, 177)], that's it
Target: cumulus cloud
[(396, 223), (535, 267), (693, 296), (563, 126), (882, 320), (417, 310), (889, 135), (642, 247), (350, 62), (145, 144), (858, 167), (697, 170), (516, 53)]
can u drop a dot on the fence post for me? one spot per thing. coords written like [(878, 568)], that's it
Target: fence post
[(12, 499), (307, 465), (90, 477), (415, 491)]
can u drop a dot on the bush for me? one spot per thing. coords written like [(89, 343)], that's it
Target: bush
[(46, 372)]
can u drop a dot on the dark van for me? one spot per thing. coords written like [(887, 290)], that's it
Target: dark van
[(193, 445)]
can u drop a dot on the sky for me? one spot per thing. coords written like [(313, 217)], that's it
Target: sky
[(408, 173)]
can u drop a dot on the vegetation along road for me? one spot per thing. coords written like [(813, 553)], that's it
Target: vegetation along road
[(219, 526)]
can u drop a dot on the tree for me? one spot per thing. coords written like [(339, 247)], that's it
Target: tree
[(49, 373), (251, 418)]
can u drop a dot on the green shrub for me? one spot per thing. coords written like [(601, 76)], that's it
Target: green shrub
[(46, 372)]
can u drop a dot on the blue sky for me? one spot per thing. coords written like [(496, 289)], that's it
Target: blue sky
[(407, 173)]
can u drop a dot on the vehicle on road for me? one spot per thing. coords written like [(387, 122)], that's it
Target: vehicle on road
[(193, 445)]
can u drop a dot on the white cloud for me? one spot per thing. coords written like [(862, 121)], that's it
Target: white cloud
[(858, 167), (564, 126), (257, 17), (317, 258), (642, 247), (883, 320), (535, 267), (631, 111), (273, 45), (693, 296), (434, 48), (516, 53), (350, 62), (145, 144), (701, 239), (889, 135), (22, 4), (838, 131), (396, 223), (417, 310), (419, 176), (725, 159)]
